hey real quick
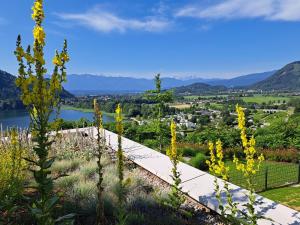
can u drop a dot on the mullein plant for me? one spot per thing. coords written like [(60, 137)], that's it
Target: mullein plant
[(12, 175), (121, 214), (217, 167), (248, 168), (41, 96), (99, 152), (176, 198)]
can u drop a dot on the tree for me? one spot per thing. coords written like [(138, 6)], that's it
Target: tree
[(160, 98), (41, 97)]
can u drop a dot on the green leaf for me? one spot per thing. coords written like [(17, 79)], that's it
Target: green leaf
[(65, 217)]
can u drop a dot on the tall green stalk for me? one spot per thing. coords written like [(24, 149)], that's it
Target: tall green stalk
[(41, 97), (120, 156), (100, 149)]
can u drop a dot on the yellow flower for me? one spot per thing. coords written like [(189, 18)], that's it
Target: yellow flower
[(173, 151), (119, 119), (216, 163), (64, 56), (37, 10), (249, 167), (56, 61), (39, 34)]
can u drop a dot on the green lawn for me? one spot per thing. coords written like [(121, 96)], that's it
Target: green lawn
[(289, 196), (67, 107), (272, 118), (193, 97), (261, 98), (261, 116), (279, 174), (216, 106)]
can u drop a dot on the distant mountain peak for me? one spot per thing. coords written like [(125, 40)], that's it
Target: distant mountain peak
[(285, 79)]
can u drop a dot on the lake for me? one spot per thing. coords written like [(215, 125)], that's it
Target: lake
[(20, 118)]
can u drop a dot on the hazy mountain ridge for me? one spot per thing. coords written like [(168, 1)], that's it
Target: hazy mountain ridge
[(88, 84)]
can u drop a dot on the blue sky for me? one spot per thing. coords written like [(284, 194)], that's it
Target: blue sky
[(204, 38)]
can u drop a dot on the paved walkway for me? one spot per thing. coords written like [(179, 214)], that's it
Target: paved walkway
[(197, 184)]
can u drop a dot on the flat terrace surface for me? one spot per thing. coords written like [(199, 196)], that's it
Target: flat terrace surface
[(197, 184)]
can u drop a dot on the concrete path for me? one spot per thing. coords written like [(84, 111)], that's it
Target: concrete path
[(197, 184)]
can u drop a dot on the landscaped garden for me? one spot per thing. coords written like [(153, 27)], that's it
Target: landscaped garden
[(49, 176)]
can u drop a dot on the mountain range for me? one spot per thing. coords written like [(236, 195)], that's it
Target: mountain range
[(98, 84), (285, 79)]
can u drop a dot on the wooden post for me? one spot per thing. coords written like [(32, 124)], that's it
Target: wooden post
[(266, 179), (298, 171)]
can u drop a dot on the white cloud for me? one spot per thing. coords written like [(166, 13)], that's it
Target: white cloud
[(104, 21), (286, 10)]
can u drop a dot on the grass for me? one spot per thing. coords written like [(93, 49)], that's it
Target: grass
[(279, 174), (68, 107), (216, 106), (195, 97), (272, 118), (289, 196), (261, 116), (266, 99)]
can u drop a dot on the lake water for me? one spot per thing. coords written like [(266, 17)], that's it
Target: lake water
[(20, 118)]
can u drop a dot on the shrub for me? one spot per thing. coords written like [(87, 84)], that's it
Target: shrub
[(281, 155), (199, 161), (189, 152), (12, 174)]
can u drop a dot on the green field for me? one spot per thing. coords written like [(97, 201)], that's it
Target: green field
[(67, 107), (278, 174), (194, 97), (261, 98), (289, 196)]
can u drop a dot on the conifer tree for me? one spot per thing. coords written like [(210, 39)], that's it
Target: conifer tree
[(160, 98)]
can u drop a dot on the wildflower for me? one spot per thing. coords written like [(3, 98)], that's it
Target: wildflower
[(175, 196), (172, 151), (57, 61), (39, 35), (250, 167), (216, 163), (37, 11)]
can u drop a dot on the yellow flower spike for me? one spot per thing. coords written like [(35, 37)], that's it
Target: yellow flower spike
[(39, 34), (173, 141), (119, 119), (56, 61), (64, 56), (37, 11)]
